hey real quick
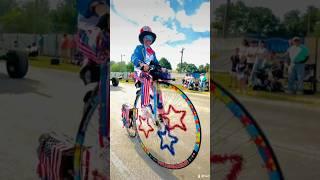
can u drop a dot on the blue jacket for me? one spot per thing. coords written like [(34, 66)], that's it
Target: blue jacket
[(139, 55)]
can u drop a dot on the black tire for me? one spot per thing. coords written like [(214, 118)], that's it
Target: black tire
[(17, 64), (151, 154), (115, 81)]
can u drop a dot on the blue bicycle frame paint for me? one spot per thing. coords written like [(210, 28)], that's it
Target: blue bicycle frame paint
[(103, 100)]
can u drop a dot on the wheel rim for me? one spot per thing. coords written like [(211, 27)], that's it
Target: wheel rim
[(240, 148), (175, 144)]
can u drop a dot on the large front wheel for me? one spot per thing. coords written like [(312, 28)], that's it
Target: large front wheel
[(91, 155), (175, 143)]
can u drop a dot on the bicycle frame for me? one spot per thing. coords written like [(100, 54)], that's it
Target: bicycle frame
[(156, 93), (104, 88)]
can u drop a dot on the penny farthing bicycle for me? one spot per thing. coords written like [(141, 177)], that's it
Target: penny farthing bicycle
[(240, 148), (164, 121)]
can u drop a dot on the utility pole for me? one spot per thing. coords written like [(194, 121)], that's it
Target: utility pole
[(181, 59), (121, 57), (121, 60), (225, 19)]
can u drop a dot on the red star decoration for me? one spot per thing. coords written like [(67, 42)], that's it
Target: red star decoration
[(182, 126), (148, 131), (235, 159)]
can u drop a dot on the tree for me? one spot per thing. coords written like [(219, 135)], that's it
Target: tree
[(115, 67), (121, 67), (202, 69), (64, 17), (130, 67), (191, 68), (293, 23), (182, 67), (310, 18), (243, 20), (7, 5), (165, 63), (30, 17), (207, 67), (261, 21)]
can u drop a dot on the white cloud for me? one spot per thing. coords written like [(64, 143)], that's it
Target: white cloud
[(199, 22)]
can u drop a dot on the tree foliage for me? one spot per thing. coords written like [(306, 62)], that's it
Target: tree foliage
[(37, 17), (165, 63), (242, 20)]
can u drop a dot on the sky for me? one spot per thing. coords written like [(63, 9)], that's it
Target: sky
[(279, 7), (177, 23)]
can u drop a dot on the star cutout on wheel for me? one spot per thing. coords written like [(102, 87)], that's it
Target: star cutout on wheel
[(163, 146), (182, 126), (146, 132)]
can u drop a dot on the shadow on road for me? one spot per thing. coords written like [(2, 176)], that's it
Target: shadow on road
[(118, 88), (19, 86), (162, 172)]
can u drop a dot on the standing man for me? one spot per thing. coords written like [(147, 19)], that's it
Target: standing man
[(251, 59), (298, 54)]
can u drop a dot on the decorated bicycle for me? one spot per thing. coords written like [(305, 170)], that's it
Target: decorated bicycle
[(162, 117)]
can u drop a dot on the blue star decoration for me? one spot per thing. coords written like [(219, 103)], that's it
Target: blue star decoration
[(163, 146)]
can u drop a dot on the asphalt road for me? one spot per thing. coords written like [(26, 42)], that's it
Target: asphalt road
[(293, 130), (46, 100)]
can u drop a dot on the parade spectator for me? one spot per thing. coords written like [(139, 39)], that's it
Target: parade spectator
[(298, 54), (235, 58), (242, 74), (261, 55), (41, 44), (251, 58), (203, 81), (243, 49), (65, 44), (34, 49), (28, 50)]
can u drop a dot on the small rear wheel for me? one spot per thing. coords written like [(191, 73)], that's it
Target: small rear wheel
[(17, 64), (115, 81)]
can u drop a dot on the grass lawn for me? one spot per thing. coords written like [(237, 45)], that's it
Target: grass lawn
[(224, 80), (45, 62)]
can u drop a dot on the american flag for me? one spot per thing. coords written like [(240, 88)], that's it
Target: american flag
[(84, 47), (146, 88), (50, 156), (98, 54), (125, 112)]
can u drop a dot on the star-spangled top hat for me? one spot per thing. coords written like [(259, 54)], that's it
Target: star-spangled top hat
[(146, 30)]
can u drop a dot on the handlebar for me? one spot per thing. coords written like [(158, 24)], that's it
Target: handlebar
[(156, 73)]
